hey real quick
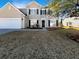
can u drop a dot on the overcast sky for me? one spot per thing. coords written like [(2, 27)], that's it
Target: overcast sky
[(22, 3)]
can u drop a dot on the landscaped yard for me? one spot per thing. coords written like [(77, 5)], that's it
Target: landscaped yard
[(38, 45)]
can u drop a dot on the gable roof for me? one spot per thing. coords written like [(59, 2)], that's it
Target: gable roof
[(9, 11), (33, 4)]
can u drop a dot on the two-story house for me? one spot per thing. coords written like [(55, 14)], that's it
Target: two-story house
[(38, 16), (33, 15)]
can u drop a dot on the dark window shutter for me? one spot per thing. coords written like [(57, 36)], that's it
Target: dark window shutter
[(48, 23), (45, 11), (37, 11), (29, 23), (67, 23), (48, 11), (56, 22), (40, 12), (29, 11), (37, 23)]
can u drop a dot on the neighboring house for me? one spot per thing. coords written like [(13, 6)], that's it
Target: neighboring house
[(72, 22), (33, 15), (11, 17)]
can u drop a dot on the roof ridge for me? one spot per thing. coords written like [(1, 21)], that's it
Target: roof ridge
[(34, 2)]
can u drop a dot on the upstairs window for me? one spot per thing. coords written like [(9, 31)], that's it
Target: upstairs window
[(34, 11), (42, 12)]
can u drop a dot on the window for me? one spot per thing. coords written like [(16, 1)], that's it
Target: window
[(69, 23), (43, 12), (34, 11)]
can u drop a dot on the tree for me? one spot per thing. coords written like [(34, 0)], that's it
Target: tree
[(58, 6)]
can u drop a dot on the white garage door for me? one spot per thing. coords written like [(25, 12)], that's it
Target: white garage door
[(10, 23)]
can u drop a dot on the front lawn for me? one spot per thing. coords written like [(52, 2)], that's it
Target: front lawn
[(38, 45)]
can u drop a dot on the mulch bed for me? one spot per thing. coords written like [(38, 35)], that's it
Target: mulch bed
[(70, 33), (53, 28), (74, 35)]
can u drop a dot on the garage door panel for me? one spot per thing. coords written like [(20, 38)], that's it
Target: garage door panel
[(10, 23)]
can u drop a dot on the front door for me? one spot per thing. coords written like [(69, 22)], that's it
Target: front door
[(43, 23)]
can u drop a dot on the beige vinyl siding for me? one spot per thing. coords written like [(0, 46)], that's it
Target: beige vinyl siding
[(10, 11), (33, 5)]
